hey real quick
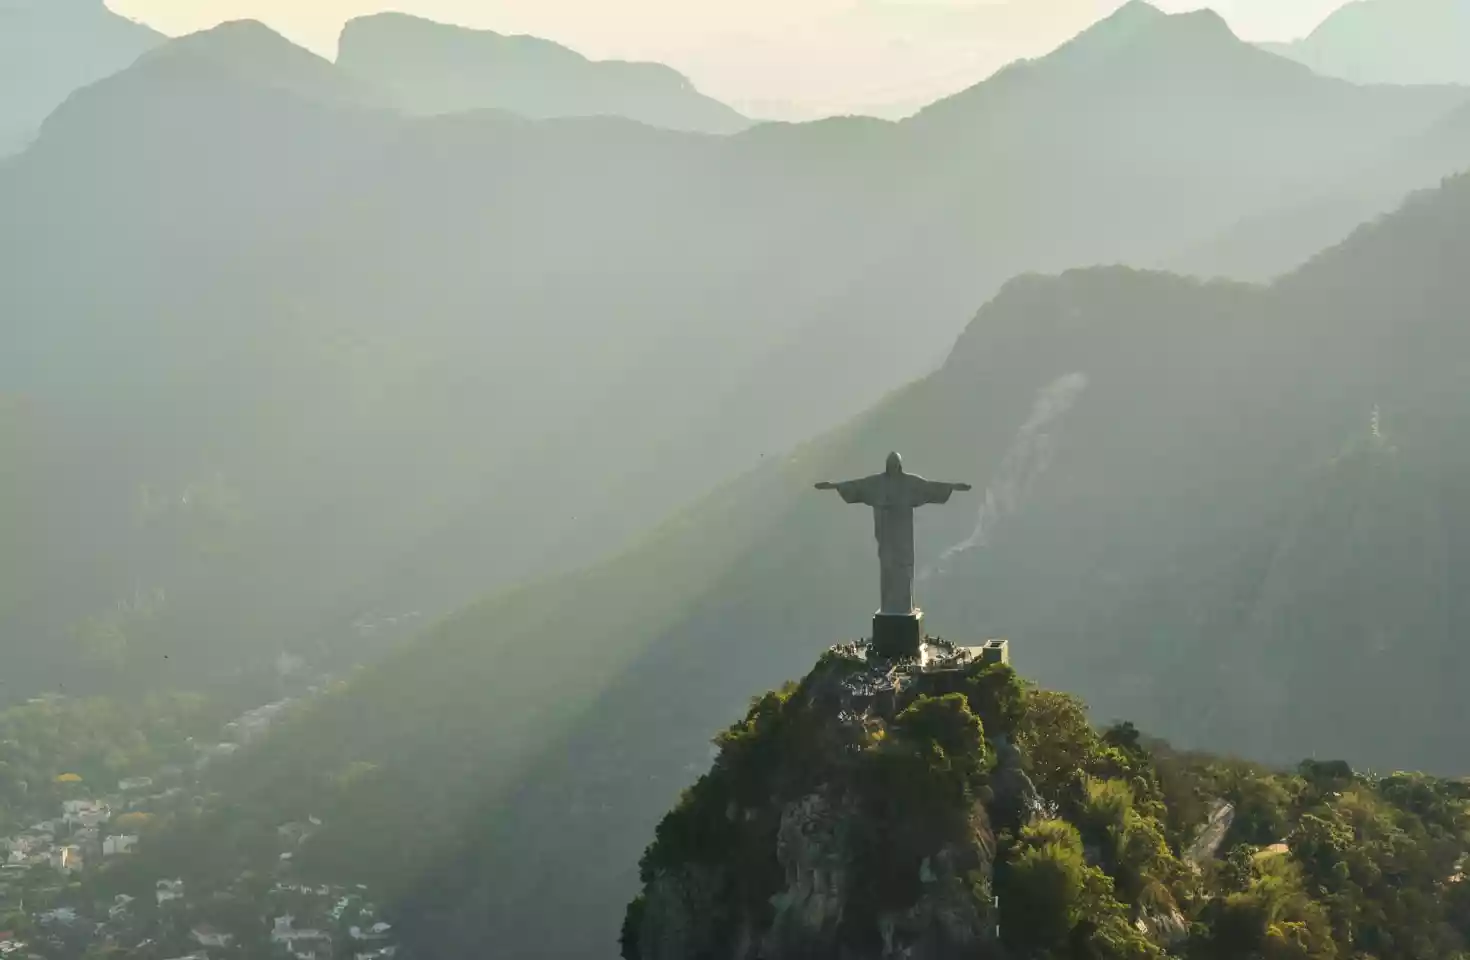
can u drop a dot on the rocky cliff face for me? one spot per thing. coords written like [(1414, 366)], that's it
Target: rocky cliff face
[(847, 817)]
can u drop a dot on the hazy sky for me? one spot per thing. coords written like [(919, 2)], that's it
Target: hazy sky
[(796, 57)]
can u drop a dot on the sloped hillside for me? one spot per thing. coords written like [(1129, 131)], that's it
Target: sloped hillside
[(433, 68), (1389, 41), (1235, 513)]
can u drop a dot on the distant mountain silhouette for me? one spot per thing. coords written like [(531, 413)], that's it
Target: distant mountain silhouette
[(432, 68), (545, 334), (254, 54), (48, 48), (1389, 41), (1237, 511)]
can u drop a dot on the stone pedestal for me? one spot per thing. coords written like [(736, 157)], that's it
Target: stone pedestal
[(898, 635)]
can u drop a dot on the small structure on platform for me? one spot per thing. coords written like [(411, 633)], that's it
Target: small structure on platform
[(995, 651), (898, 626)]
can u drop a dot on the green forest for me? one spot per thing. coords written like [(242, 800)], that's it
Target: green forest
[(1105, 853)]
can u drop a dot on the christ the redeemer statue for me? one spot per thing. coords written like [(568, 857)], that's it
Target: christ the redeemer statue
[(893, 495)]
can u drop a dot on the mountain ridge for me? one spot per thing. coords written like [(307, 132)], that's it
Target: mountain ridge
[(384, 271), (49, 49), (1428, 41), (433, 68)]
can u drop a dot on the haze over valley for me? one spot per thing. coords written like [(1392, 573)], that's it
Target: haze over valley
[(406, 458)]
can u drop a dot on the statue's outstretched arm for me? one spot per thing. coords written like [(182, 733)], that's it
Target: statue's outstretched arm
[(824, 485), (961, 486)]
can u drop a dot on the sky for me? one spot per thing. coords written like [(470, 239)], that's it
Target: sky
[(771, 58)]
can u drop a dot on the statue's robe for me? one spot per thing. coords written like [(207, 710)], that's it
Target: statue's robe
[(893, 498)]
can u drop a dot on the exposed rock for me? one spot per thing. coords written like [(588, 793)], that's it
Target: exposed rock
[(1207, 842), (812, 852), (1167, 928), (952, 918), (1016, 799), (833, 865)]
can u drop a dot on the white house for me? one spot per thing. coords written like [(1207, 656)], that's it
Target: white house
[(118, 844), (132, 784), (119, 908), (95, 817), (376, 933), (207, 936), (166, 890), (219, 751), (250, 726), (84, 813), (302, 944)]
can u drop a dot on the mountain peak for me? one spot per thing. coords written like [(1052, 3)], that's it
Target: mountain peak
[(235, 39), (1138, 51), (435, 68), (238, 54), (423, 30), (1138, 23), (51, 48), (1133, 12), (251, 50)]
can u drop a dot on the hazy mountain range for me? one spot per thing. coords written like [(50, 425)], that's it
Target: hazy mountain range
[(50, 49), (1389, 41), (288, 280), (299, 355), (429, 68)]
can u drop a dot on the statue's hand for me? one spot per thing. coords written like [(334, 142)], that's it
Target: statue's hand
[(962, 486), (826, 486)]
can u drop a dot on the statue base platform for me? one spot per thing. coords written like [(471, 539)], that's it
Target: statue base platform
[(897, 636)]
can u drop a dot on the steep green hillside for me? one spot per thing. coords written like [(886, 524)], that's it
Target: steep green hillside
[(317, 366), (433, 68), (974, 816), (1235, 513)]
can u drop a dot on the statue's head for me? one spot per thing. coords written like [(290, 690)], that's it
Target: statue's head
[(894, 466)]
